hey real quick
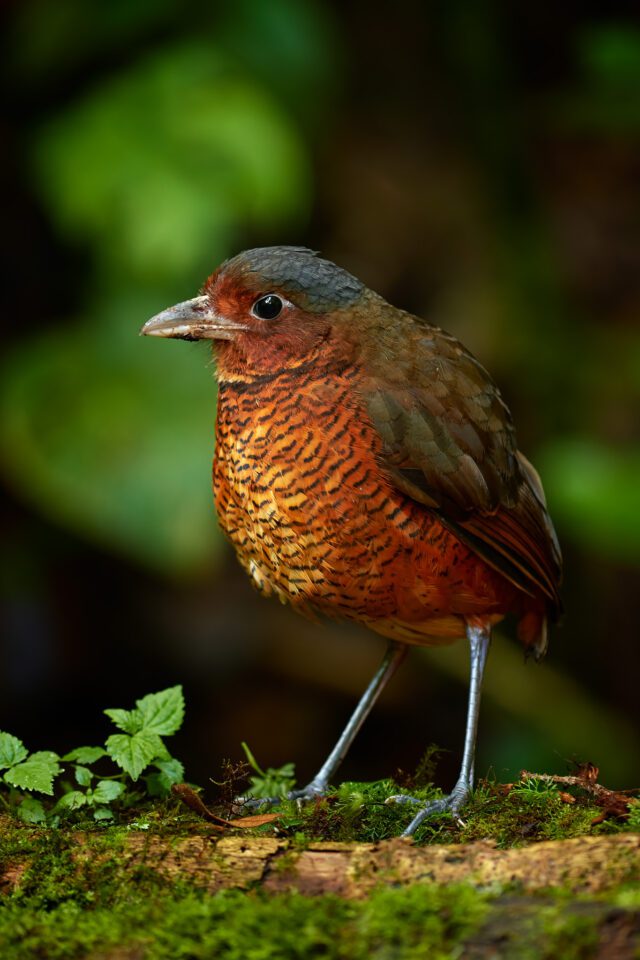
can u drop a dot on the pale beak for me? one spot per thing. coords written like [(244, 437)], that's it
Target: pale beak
[(191, 320)]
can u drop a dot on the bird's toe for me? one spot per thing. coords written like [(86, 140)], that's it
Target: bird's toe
[(452, 804)]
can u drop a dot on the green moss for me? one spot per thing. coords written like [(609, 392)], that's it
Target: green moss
[(155, 920), (419, 922), (358, 812), (571, 934), (62, 910), (539, 928), (525, 815), (353, 812), (627, 896), (65, 910)]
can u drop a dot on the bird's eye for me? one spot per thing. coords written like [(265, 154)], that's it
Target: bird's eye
[(267, 308)]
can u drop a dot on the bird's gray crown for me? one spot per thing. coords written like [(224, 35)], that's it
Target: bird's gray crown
[(319, 284)]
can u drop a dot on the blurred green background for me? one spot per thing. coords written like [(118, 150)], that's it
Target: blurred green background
[(476, 164)]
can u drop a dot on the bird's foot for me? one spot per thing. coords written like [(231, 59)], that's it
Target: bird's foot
[(451, 804), (313, 790)]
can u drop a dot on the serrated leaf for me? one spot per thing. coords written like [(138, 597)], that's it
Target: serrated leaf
[(163, 753), (102, 813), (162, 712), (31, 811), (85, 754), (172, 770), (47, 756), (12, 750), (134, 753), (36, 773), (84, 776), (72, 800), (107, 791), (128, 720)]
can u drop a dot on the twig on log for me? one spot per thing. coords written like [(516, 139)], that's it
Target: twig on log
[(615, 803)]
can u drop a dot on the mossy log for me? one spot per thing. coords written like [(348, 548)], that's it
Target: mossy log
[(129, 893), (352, 870), (583, 865)]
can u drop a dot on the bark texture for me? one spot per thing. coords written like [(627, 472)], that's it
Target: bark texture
[(584, 865)]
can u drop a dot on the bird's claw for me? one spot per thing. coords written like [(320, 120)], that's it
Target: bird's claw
[(401, 798), (312, 791), (243, 804), (451, 804)]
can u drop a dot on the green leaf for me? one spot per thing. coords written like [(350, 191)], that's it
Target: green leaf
[(163, 753), (72, 800), (47, 755), (84, 776), (85, 754), (154, 785), (276, 782), (170, 771), (12, 750), (31, 811), (102, 813), (128, 720), (133, 753), (107, 791), (272, 781), (162, 712), (36, 773)]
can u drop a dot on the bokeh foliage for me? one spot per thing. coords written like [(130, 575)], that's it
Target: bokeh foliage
[(156, 171), (475, 163)]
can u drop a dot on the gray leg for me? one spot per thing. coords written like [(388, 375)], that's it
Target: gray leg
[(479, 640), (393, 657)]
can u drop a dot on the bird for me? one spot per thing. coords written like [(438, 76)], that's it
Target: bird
[(366, 469)]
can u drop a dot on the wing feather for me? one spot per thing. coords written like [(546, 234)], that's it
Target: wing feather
[(448, 441)]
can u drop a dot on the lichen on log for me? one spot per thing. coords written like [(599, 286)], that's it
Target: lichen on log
[(585, 865)]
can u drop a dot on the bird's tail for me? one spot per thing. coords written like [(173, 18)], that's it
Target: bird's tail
[(533, 633)]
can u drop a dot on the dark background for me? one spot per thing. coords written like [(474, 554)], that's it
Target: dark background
[(474, 163)]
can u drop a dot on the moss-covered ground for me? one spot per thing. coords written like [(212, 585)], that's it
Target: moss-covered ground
[(108, 908), (528, 812)]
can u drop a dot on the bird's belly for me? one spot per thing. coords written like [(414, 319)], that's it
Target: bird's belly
[(315, 522)]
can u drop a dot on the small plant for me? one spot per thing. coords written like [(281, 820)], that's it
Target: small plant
[(272, 782), (633, 821), (535, 791), (136, 750)]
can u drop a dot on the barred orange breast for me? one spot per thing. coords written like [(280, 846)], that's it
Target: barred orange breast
[(301, 495)]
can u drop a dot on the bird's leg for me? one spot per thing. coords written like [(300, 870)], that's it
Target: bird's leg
[(393, 657), (479, 640), (317, 787)]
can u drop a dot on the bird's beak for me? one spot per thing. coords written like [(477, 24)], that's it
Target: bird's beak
[(191, 320)]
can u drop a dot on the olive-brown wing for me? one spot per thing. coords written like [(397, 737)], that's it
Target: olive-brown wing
[(448, 442)]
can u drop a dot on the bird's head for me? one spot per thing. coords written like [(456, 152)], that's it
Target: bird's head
[(267, 309)]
